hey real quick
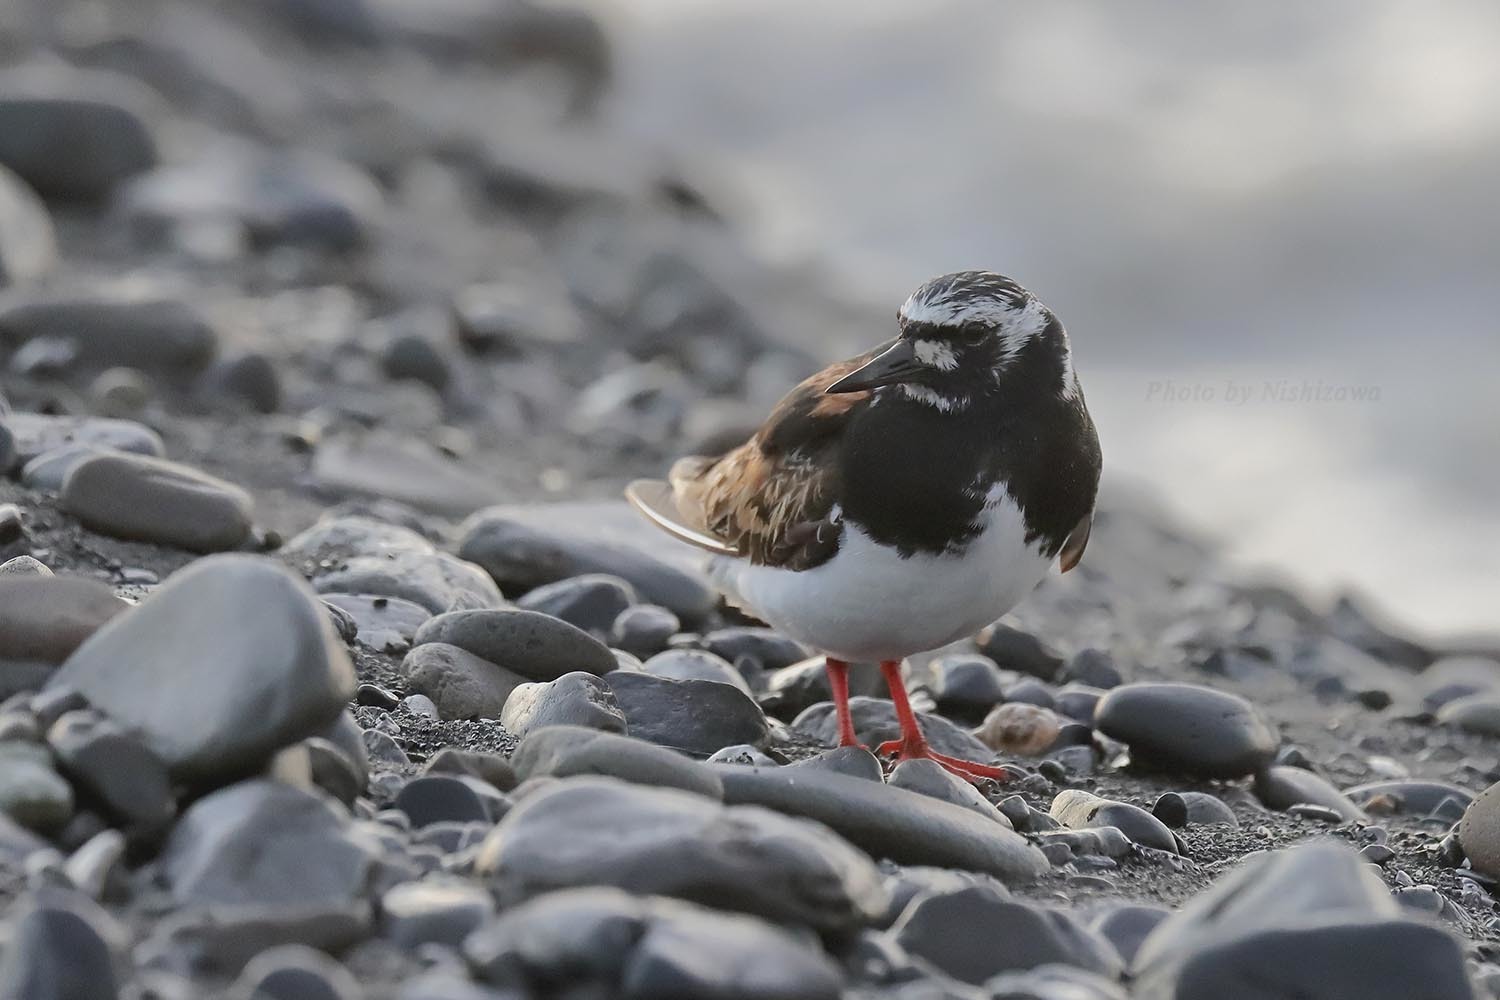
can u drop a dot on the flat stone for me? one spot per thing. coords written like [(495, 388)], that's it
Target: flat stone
[(441, 798), (694, 716), (1079, 810), (409, 471), (694, 665), (227, 662), (928, 777), (264, 843), (1187, 728), (116, 770), (28, 244), (576, 699), (875, 723), (434, 910), (536, 646), (61, 946), (335, 538), (1310, 921), (161, 335), (462, 685), (565, 751), (591, 602), (526, 547), (597, 831), (37, 434), (490, 768), (888, 822), (1282, 787), (31, 792), (436, 581), (154, 500)]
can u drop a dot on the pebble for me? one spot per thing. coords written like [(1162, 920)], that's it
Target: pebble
[(576, 699), (694, 665), (744, 753), (1013, 649), (384, 624), (528, 643), (591, 602), (875, 723), (1205, 809), (106, 329), (115, 770), (1282, 787), (31, 792), (1018, 728), (295, 972), (434, 910), (265, 843), (1127, 925), (61, 946), (1187, 728), (892, 823), (1079, 810), (277, 675), (527, 547), (588, 831), (436, 581), (928, 777), (334, 771), (767, 647), (643, 629), (697, 717), (857, 762), (28, 243), (460, 684), (442, 798), (251, 379), (1308, 921), (153, 500), (38, 434), (1093, 668), (97, 868), (565, 751), (966, 685), (1172, 809), (978, 932)]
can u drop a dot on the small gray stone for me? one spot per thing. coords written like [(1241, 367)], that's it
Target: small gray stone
[(115, 769), (694, 665), (98, 866), (856, 762), (536, 646), (460, 684), (76, 143), (1079, 810), (643, 629), (384, 624), (875, 723), (1282, 787), (435, 580), (38, 434), (768, 648), (576, 699), (1205, 809), (404, 469), (1188, 728), (443, 798), (695, 716), (28, 245), (31, 792), (153, 500), (591, 602), (1475, 713), (1013, 649), (433, 910)]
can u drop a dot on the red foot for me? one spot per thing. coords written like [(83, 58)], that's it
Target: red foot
[(967, 769)]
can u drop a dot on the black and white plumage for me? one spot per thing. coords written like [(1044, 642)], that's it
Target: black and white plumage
[(903, 499)]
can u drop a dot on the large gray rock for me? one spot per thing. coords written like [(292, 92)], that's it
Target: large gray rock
[(887, 822), (697, 717), (265, 843), (1187, 728), (154, 500), (1311, 921), (536, 646), (230, 660), (576, 699), (597, 831)]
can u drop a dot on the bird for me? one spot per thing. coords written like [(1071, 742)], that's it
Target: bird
[(903, 499)]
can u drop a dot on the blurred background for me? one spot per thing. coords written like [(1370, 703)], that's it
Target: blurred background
[(583, 237), (1270, 229)]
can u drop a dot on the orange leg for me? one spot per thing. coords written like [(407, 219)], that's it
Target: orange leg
[(838, 680), (913, 745)]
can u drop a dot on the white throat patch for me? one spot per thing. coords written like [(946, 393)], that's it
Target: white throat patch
[(936, 354), (928, 397)]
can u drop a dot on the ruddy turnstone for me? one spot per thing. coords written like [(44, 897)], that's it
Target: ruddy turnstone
[(901, 500)]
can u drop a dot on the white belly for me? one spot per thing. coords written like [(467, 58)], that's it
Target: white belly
[(867, 603)]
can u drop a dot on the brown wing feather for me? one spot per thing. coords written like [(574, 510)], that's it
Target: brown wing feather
[(769, 499)]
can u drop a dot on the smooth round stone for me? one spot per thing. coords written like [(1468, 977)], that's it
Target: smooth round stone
[(978, 932), (590, 602), (48, 470), (927, 777), (1013, 649), (856, 762), (154, 500), (336, 538), (1479, 831), (114, 769), (410, 356), (45, 618), (60, 947), (565, 751), (279, 673), (437, 581), (384, 624), (1172, 809), (1283, 787), (1187, 728), (98, 866), (966, 684), (490, 768), (433, 910), (1420, 798), (1475, 713), (407, 470), (295, 972), (24, 566), (694, 716), (1205, 809), (264, 842), (1094, 668), (72, 147), (767, 647), (597, 831), (1311, 921), (28, 243), (438, 798), (1029, 691), (907, 828), (643, 629), (1127, 925), (250, 379), (694, 665), (161, 335), (120, 392), (38, 434), (460, 684), (744, 753), (1077, 702), (576, 699), (533, 645), (31, 792), (1019, 728), (1079, 810), (422, 706)]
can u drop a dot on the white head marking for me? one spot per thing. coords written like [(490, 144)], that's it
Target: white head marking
[(935, 353)]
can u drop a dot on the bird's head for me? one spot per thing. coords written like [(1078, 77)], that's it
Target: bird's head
[(963, 336)]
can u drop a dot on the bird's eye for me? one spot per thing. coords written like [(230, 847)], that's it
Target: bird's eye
[(974, 334)]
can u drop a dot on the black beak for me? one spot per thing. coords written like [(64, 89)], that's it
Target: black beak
[(895, 364)]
